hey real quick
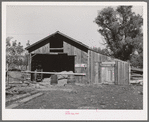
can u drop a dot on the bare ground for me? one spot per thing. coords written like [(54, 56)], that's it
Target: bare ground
[(85, 97)]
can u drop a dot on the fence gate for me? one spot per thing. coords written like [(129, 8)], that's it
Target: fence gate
[(107, 72)]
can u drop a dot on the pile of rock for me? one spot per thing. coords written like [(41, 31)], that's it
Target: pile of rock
[(63, 79)]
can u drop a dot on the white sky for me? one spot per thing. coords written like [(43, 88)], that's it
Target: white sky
[(36, 22)]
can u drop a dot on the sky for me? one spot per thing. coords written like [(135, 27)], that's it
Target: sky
[(33, 23)]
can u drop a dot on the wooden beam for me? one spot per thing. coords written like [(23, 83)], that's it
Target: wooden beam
[(57, 73), (136, 75), (136, 69), (51, 53), (33, 55), (108, 63), (56, 48)]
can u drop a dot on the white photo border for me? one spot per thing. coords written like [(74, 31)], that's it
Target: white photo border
[(59, 114)]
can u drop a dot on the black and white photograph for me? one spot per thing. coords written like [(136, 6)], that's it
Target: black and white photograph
[(74, 60)]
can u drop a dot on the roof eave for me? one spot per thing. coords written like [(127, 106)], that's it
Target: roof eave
[(57, 32)]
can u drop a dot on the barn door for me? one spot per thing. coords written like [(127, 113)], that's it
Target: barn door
[(107, 72)]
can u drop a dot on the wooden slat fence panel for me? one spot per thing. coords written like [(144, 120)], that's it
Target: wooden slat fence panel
[(97, 74), (123, 73), (127, 73)]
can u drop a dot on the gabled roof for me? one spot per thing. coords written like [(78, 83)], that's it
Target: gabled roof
[(54, 34)]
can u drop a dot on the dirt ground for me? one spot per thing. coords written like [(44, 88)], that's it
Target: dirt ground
[(86, 97)]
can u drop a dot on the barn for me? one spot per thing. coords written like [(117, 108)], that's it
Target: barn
[(59, 52)]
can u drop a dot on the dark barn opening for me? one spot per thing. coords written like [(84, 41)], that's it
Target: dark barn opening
[(52, 63), (56, 45)]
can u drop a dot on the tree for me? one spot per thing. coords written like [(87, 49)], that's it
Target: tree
[(122, 31), (13, 52), (8, 41), (137, 60), (101, 51), (28, 43)]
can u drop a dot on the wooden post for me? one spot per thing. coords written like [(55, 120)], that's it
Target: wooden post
[(7, 76), (116, 72), (35, 75), (129, 73), (29, 65), (91, 67)]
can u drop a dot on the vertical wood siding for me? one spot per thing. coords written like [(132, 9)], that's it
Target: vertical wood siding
[(43, 49), (94, 72), (122, 72), (119, 74), (81, 57)]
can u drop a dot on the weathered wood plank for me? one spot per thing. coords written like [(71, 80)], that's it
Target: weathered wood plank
[(98, 60), (123, 73), (89, 66), (72, 50), (30, 60), (92, 67), (103, 74), (121, 78), (119, 75), (95, 57), (56, 48), (129, 71), (116, 72), (108, 63), (96, 72), (66, 47), (95, 67), (56, 73), (77, 52), (122, 82), (126, 71), (102, 58), (69, 49), (84, 59), (48, 47)]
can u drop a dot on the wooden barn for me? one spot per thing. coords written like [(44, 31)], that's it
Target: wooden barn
[(59, 52)]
